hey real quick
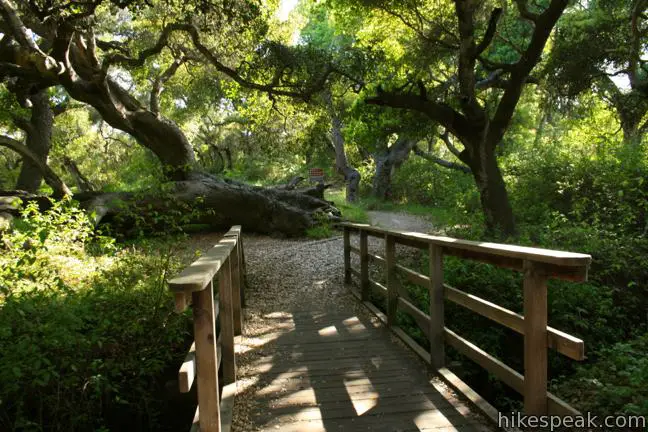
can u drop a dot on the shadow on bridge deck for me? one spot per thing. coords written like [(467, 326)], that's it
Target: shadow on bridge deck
[(337, 371)]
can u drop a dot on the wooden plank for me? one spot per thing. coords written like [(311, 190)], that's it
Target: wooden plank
[(509, 376), (535, 341), (336, 351), (364, 267), (377, 259), (447, 420), (354, 272), (311, 364), (243, 272), (558, 407), (309, 397), (197, 276), (347, 255), (412, 242), (299, 380), (235, 229), (561, 258), (378, 286), (226, 322), (187, 371), (422, 319), (392, 288), (411, 343), (399, 332), (565, 344), (437, 313), (331, 390), (236, 256), (206, 359), (237, 316), (381, 316), (463, 389), (354, 249), (413, 276)]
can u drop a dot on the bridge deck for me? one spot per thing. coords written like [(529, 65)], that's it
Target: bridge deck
[(335, 371)]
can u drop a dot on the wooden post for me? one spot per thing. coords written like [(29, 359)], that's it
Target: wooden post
[(437, 314), (226, 322), (243, 271), (236, 289), (392, 281), (535, 340), (347, 255), (206, 359), (364, 267)]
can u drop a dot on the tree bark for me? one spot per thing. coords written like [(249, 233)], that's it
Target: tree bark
[(495, 203), (59, 188), (382, 177), (82, 182), (38, 132), (211, 201), (387, 162), (442, 162), (351, 175), (481, 130)]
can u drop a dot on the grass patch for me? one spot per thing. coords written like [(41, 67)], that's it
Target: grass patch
[(353, 212), (320, 232)]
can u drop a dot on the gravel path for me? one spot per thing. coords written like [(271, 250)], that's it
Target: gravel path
[(400, 221)]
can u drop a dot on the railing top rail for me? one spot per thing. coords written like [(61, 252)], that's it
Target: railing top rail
[(196, 277), (548, 256)]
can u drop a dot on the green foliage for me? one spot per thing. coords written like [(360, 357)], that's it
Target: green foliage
[(320, 231), (616, 384), (419, 181), (87, 328), (353, 212)]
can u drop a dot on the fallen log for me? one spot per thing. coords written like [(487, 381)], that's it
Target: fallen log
[(205, 199)]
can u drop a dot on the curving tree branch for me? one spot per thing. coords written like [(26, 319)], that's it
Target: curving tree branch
[(59, 188), (442, 162), (490, 32)]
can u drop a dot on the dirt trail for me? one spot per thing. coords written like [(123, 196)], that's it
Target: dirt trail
[(400, 221)]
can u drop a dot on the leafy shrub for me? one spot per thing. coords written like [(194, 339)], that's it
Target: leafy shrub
[(87, 328), (616, 384)]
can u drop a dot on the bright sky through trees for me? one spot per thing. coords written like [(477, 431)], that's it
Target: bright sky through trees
[(285, 7)]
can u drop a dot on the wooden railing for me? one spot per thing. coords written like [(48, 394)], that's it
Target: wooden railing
[(538, 266), (212, 353)]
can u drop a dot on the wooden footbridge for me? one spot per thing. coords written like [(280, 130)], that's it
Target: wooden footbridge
[(336, 370)]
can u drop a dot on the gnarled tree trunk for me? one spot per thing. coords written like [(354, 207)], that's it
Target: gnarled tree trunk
[(38, 132), (72, 61), (387, 162), (495, 203), (351, 175)]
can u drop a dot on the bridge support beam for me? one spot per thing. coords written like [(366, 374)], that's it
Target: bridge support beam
[(437, 310), (535, 339), (364, 267)]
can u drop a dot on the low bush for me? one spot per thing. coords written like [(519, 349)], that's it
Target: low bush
[(88, 333)]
